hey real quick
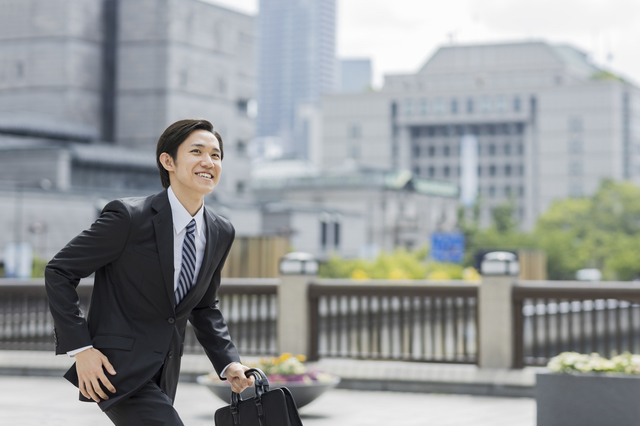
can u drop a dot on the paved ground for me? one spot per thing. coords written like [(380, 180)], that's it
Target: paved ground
[(49, 401)]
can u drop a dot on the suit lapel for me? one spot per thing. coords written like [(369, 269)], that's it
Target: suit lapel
[(163, 226), (205, 267)]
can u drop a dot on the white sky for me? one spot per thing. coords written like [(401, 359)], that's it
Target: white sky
[(400, 35)]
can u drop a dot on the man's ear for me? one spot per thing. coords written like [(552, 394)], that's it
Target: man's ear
[(167, 162)]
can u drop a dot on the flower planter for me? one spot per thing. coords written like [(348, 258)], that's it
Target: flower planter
[(588, 399), (303, 393)]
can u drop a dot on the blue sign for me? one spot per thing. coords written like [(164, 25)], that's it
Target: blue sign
[(447, 247)]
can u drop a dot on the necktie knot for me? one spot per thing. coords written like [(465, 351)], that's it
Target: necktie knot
[(191, 227)]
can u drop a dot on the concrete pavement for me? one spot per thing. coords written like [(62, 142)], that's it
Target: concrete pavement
[(51, 401)]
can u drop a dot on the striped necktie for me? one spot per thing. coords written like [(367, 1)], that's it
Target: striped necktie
[(188, 268)]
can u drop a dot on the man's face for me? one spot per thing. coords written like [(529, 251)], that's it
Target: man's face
[(197, 166)]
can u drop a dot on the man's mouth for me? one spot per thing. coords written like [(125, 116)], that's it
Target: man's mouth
[(204, 175)]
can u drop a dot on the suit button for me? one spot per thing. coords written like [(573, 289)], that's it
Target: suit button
[(171, 320), (170, 354)]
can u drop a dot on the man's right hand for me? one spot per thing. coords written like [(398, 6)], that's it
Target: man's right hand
[(90, 365)]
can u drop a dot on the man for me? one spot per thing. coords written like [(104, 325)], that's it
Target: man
[(157, 263)]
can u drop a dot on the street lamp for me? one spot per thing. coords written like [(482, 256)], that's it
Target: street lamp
[(500, 263), (298, 263)]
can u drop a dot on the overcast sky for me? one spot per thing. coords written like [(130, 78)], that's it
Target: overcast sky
[(400, 35)]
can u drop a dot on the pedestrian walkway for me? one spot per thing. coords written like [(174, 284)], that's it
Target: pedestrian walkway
[(52, 401)]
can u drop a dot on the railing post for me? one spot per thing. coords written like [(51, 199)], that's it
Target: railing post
[(297, 270), (496, 328)]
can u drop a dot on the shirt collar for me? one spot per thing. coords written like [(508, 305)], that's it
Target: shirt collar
[(181, 216)]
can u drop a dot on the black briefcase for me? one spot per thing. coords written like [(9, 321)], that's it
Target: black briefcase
[(268, 408)]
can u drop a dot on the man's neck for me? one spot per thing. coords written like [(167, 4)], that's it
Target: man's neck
[(191, 203)]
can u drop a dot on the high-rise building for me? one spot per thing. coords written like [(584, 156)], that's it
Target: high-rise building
[(296, 65), (545, 121), (121, 71)]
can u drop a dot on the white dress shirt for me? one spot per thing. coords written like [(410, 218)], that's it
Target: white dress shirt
[(181, 218)]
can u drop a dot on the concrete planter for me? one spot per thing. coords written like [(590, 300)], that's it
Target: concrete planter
[(588, 399)]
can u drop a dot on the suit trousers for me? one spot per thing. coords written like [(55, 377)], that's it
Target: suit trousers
[(148, 406)]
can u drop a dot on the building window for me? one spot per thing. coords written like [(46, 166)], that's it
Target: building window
[(485, 104), (501, 103), (516, 104), (521, 170), (240, 187), (470, 106), (446, 150), (507, 149), (439, 106), (521, 149), (423, 106), (446, 171), (492, 170), (432, 171), (575, 146), (336, 234), (575, 168), (242, 106), (354, 131), (492, 191), (416, 170), (241, 147), (408, 107), (324, 234), (507, 170), (507, 191), (575, 190), (479, 170), (416, 151), (454, 106), (575, 124), (521, 191), (492, 149), (432, 151)]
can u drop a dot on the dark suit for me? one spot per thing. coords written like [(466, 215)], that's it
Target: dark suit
[(132, 318)]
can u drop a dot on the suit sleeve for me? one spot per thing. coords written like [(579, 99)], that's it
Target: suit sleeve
[(94, 248), (209, 324)]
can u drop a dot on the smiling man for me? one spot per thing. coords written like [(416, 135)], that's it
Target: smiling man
[(157, 263)]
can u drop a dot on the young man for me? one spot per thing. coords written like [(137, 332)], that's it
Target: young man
[(157, 263)]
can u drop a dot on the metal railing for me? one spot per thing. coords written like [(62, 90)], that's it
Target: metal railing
[(559, 316), (391, 320), (249, 306)]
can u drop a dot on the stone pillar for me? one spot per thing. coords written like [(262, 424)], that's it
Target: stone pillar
[(297, 270), (495, 312), (293, 314)]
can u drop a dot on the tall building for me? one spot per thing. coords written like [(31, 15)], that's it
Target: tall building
[(120, 71), (544, 121), (296, 65)]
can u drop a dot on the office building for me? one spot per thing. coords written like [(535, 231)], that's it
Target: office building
[(544, 122), (296, 65)]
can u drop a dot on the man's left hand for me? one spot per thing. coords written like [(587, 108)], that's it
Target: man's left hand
[(235, 375)]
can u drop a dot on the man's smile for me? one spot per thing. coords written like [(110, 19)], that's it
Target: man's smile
[(205, 175)]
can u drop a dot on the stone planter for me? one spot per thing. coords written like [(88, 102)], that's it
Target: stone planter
[(303, 393), (588, 399)]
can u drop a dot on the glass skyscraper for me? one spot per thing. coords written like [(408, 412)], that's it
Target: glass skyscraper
[(296, 64)]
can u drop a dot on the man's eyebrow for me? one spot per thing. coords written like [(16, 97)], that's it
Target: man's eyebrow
[(201, 145)]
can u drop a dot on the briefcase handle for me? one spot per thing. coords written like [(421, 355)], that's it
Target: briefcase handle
[(261, 385)]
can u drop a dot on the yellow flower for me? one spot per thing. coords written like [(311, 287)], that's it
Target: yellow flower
[(470, 274), (398, 274), (438, 275), (285, 356), (359, 274), (301, 358)]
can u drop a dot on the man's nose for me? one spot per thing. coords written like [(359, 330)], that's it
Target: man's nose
[(207, 162)]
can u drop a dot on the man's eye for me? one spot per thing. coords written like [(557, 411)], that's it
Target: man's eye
[(197, 151)]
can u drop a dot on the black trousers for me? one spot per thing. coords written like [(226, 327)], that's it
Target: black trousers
[(149, 406)]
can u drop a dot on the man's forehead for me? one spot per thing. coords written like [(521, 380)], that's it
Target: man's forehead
[(202, 139)]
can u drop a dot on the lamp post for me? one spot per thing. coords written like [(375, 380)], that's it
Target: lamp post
[(296, 271)]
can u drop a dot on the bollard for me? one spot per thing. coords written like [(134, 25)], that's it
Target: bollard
[(495, 315), (296, 271)]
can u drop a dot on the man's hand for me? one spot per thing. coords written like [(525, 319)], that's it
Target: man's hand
[(89, 365), (235, 375)]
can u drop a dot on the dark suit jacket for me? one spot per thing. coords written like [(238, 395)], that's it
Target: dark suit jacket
[(132, 318)]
